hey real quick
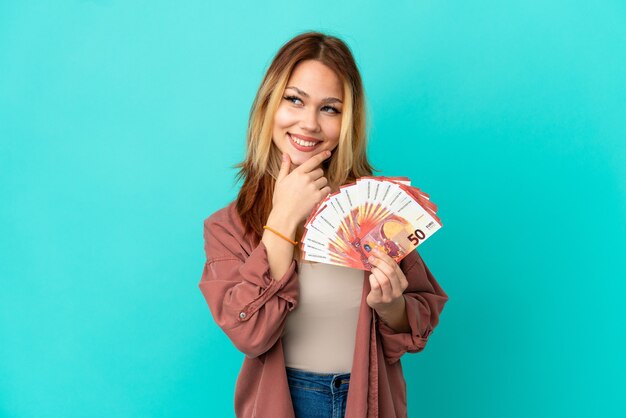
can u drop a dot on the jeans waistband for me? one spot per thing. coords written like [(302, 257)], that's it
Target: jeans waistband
[(300, 372), (320, 380)]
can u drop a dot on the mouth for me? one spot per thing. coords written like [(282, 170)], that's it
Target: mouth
[(301, 144)]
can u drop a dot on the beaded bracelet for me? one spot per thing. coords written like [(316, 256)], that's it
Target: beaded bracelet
[(280, 235)]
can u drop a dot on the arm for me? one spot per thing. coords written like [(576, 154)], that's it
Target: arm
[(424, 300), (246, 301), (251, 290)]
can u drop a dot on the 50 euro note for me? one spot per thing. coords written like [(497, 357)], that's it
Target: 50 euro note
[(374, 213)]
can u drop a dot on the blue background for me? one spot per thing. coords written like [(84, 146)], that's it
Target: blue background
[(120, 122)]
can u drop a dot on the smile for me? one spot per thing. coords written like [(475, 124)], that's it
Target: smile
[(303, 145)]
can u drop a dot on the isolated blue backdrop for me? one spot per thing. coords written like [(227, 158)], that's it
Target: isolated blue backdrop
[(120, 122)]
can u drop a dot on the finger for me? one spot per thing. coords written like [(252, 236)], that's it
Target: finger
[(321, 182), (324, 193), (375, 286), (314, 161), (388, 265), (384, 260), (391, 270), (316, 174), (396, 271), (388, 285), (284, 167), (389, 290)]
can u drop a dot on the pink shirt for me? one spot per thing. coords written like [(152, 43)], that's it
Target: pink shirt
[(251, 308)]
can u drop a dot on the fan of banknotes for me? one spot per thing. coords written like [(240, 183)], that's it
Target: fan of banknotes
[(384, 213)]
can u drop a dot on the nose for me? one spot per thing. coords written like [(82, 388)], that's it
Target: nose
[(309, 120)]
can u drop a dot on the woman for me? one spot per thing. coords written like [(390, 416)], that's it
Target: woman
[(320, 340)]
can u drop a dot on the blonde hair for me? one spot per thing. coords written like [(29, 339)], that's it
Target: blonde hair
[(262, 161)]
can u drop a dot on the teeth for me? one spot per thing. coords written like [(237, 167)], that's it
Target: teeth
[(303, 143)]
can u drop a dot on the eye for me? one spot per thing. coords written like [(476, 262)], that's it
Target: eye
[(331, 109), (293, 99)]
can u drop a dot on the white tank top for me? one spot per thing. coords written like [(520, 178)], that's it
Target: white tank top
[(319, 334)]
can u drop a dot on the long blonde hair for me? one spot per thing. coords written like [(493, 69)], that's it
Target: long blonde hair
[(262, 161)]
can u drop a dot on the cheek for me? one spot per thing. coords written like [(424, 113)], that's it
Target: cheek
[(333, 130), (283, 118)]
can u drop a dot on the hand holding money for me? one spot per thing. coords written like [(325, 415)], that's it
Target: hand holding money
[(387, 281)]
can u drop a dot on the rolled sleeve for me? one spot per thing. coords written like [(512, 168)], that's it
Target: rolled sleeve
[(425, 300), (245, 301)]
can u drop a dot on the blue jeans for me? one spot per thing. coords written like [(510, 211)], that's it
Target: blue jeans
[(318, 395)]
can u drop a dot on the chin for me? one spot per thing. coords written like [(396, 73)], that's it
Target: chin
[(297, 159)]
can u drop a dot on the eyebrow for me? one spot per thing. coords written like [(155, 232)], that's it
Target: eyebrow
[(326, 100)]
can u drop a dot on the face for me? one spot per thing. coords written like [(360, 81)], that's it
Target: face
[(308, 119)]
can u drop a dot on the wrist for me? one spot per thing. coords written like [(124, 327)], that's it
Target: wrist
[(282, 223), (394, 315), (391, 309)]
